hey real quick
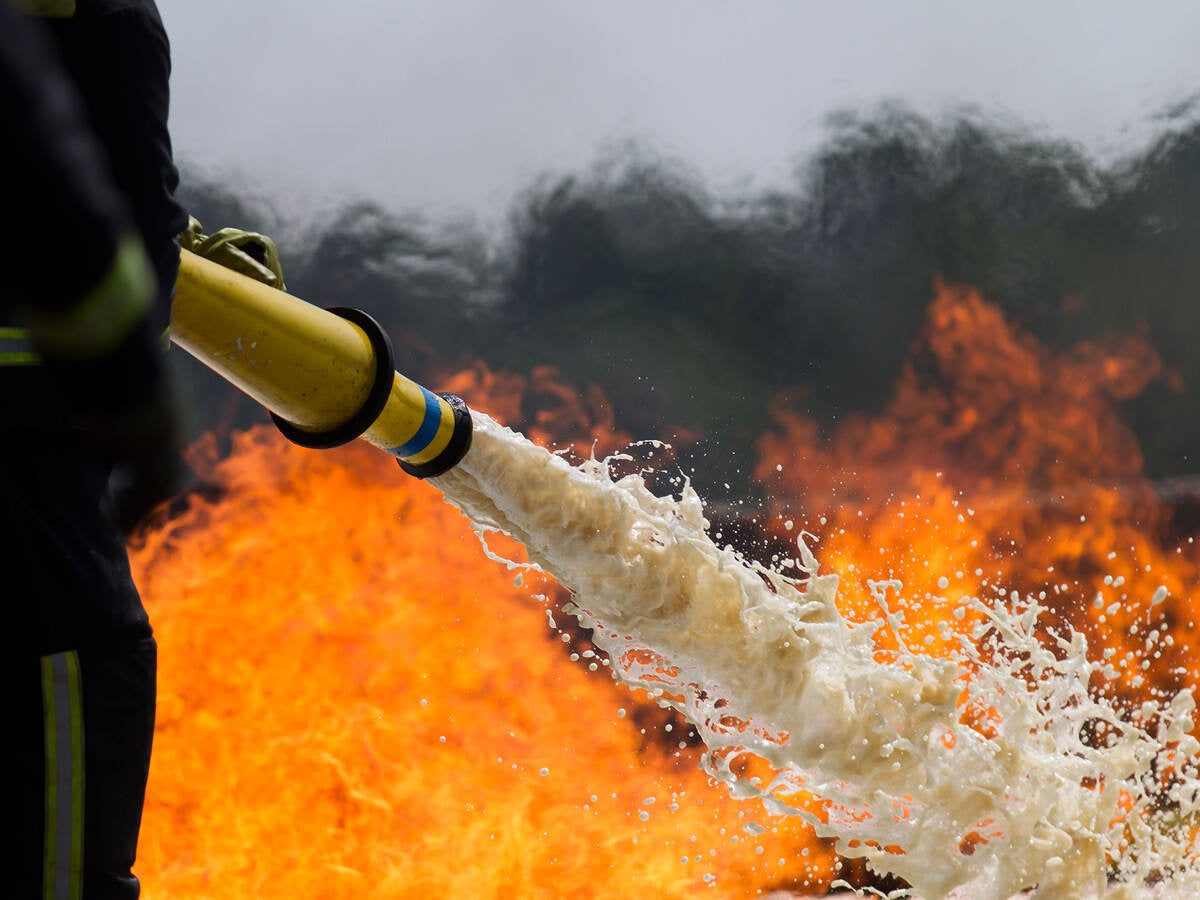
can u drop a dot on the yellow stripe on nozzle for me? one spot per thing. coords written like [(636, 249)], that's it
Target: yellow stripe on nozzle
[(327, 376)]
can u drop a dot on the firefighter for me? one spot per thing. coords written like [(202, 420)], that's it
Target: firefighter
[(87, 261)]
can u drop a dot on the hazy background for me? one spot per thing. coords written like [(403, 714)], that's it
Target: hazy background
[(458, 104), (702, 206)]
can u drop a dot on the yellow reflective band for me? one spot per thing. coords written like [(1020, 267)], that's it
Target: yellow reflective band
[(62, 711), (50, 9), (15, 349), (19, 359), (106, 314)]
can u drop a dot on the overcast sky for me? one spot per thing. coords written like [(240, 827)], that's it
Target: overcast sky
[(452, 106)]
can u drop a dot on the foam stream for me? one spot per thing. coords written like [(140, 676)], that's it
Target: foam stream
[(763, 664)]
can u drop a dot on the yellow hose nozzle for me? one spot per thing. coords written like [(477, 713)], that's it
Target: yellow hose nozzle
[(326, 376)]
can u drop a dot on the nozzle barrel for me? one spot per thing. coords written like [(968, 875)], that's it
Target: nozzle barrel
[(327, 376)]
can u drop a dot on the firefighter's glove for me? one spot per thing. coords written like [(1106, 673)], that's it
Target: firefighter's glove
[(103, 354), (130, 417), (142, 441), (130, 420), (127, 405), (248, 252)]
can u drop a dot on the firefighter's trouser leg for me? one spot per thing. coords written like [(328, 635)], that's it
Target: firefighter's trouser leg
[(86, 722)]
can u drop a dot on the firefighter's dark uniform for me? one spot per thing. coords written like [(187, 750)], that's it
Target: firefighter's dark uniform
[(87, 264)]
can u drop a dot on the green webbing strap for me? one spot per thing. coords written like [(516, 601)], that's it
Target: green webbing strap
[(247, 252)]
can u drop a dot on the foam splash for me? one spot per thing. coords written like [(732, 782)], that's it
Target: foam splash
[(999, 768)]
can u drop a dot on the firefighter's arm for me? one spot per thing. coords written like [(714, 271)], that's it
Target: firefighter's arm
[(109, 367), (76, 275)]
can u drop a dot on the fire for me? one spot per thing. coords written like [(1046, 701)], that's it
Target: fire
[(355, 701), (998, 466)]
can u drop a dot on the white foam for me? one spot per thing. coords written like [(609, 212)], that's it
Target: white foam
[(763, 664)]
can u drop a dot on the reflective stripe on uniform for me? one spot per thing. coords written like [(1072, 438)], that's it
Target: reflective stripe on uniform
[(62, 712), (50, 9), (15, 348), (106, 314)]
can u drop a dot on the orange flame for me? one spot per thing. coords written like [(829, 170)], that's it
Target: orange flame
[(356, 702), (998, 466)]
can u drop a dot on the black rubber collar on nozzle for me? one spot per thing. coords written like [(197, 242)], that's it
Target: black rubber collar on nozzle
[(381, 389)]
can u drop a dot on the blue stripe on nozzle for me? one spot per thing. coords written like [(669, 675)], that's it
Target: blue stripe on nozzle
[(428, 430)]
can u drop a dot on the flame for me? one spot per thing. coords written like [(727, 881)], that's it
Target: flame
[(998, 466), (355, 701)]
